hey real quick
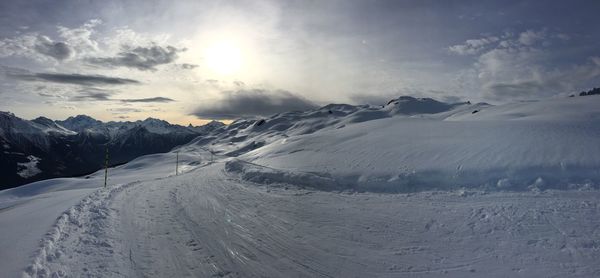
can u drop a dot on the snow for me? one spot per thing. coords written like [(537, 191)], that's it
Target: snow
[(523, 146), (29, 169), (575, 109), (418, 154), (508, 191), (29, 211), (49, 126), (87, 124), (206, 224)]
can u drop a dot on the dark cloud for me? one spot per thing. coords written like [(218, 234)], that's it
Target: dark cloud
[(96, 94), (92, 96), (372, 99), (45, 94), (188, 66), (528, 89), (382, 99), (105, 96), (57, 50), (151, 99), (71, 78), (256, 102), (123, 110), (141, 58)]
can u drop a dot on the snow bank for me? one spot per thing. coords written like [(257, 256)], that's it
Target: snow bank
[(264, 175)]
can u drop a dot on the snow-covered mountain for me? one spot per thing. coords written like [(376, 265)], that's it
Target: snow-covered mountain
[(415, 144), (43, 148)]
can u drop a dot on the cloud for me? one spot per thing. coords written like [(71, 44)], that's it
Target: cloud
[(472, 46), (563, 37), (97, 94), (72, 78), (523, 66), (141, 58), (57, 50), (254, 102), (38, 47), (93, 96), (123, 110), (530, 37), (515, 89), (382, 99), (188, 66), (507, 40), (151, 99), (81, 37), (532, 81)]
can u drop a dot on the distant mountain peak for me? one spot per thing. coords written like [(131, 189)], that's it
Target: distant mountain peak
[(6, 113), (82, 117), (79, 123), (43, 120)]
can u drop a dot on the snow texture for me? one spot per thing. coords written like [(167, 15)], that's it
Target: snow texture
[(204, 224)]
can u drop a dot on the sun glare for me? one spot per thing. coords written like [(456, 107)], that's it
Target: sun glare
[(224, 58)]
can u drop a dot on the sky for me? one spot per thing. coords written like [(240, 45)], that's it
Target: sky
[(195, 61)]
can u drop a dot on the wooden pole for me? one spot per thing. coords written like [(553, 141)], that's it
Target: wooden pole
[(177, 164), (106, 167)]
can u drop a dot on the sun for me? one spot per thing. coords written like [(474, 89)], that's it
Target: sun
[(224, 57)]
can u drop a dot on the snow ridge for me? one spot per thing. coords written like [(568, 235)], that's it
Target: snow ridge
[(265, 175)]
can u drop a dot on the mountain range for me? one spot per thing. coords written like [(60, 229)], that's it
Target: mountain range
[(43, 148)]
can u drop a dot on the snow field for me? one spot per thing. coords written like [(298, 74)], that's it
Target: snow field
[(207, 223)]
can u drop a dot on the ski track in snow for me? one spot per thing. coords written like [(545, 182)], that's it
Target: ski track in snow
[(208, 224)]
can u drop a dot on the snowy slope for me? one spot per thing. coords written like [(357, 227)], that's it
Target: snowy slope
[(573, 109), (418, 154), (29, 211), (520, 146), (299, 194)]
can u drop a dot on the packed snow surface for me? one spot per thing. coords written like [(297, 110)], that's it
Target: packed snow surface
[(478, 190), (27, 212), (206, 224)]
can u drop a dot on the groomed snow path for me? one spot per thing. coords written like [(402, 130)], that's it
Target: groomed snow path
[(207, 224)]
